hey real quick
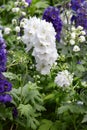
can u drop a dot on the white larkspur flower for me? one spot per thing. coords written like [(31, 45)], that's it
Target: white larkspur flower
[(14, 21), (83, 32), (80, 28), (17, 29), (82, 39), (76, 48), (72, 42), (15, 10), (40, 35), (7, 30), (64, 78), (73, 35)]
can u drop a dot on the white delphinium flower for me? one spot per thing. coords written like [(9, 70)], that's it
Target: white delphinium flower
[(73, 35), (7, 30), (80, 28), (1, 33), (73, 28), (72, 42), (25, 4), (82, 39), (18, 38), (23, 13), (83, 32), (64, 78), (17, 29), (76, 48), (15, 10), (14, 21), (41, 35), (16, 3)]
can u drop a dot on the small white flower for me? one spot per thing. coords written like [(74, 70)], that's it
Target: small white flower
[(76, 48), (82, 39), (17, 29), (23, 13), (14, 21), (15, 10), (18, 38), (83, 32), (80, 27), (1, 33), (72, 42), (26, 4), (73, 28), (73, 35), (64, 78), (79, 102), (7, 30), (16, 3)]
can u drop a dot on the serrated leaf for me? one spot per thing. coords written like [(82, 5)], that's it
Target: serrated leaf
[(84, 119), (45, 125)]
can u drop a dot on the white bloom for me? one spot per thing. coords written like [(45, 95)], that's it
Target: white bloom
[(7, 30), (82, 39), (26, 4), (18, 38), (16, 3), (64, 78), (76, 48), (14, 21), (41, 35), (83, 32), (72, 42), (73, 35), (1, 33), (80, 27), (17, 29), (23, 13), (15, 10), (73, 28)]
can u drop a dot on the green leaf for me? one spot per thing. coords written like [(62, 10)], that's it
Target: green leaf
[(84, 119), (10, 75), (45, 125)]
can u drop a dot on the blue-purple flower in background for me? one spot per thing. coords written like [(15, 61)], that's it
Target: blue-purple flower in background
[(76, 4), (5, 86), (29, 1), (52, 14)]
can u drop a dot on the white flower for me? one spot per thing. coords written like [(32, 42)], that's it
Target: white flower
[(17, 29), (80, 27), (82, 39), (14, 21), (1, 33), (23, 13), (26, 4), (64, 78), (73, 28), (72, 42), (7, 30), (40, 35), (83, 32), (16, 3), (73, 35), (15, 10), (18, 38), (76, 48)]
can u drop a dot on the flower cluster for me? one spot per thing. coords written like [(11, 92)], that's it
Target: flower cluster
[(52, 14), (41, 35), (74, 37), (64, 78), (76, 4), (5, 86)]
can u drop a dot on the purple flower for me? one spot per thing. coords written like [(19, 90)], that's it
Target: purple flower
[(81, 16), (3, 58), (15, 112), (52, 14), (76, 4), (5, 98), (29, 1), (5, 86)]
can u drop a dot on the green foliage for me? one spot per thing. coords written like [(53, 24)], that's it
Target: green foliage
[(30, 104)]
